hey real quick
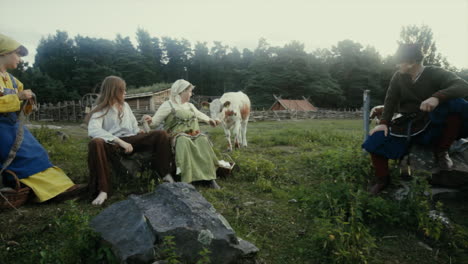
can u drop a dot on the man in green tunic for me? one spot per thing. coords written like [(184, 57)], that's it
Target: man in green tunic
[(413, 88)]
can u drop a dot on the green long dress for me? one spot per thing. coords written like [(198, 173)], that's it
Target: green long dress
[(194, 154)]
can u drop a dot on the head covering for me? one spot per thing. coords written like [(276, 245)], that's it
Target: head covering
[(177, 88), (409, 53), (8, 45)]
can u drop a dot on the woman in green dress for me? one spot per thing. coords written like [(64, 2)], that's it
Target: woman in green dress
[(194, 155)]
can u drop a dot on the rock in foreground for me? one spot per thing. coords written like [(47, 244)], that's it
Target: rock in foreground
[(136, 227)]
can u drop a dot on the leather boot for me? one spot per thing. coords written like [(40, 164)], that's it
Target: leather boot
[(380, 185), (73, 192), (444, 161), (214, 185)]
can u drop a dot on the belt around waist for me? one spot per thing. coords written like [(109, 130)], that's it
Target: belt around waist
[(10, 117)]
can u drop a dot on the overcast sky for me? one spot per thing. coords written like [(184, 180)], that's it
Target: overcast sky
[(241, 23)]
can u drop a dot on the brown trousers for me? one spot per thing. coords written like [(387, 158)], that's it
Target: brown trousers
[(157, 142)]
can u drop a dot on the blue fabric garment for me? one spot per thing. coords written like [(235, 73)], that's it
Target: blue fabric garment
[(396, 147), (13, 81), (31, 158), (388, 146)]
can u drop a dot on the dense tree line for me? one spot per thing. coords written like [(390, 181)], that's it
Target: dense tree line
[(66, 68)]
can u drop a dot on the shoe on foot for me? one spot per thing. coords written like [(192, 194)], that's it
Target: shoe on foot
[(168, 178), (214, 185), (380, 185), (444, 161), (72, 192)]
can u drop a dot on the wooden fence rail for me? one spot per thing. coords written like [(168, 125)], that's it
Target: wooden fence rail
[(74, 111), (62, 111)]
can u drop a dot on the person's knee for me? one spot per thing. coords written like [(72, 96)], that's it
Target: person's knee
[(454, 119), (160, 135), (95, 142)]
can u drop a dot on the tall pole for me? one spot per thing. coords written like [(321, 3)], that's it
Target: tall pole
[(185, 74), (365, 112)]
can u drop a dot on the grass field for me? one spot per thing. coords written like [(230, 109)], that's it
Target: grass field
[(299, 194)]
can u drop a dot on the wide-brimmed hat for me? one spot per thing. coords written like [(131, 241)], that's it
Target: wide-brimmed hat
[(8, 45)]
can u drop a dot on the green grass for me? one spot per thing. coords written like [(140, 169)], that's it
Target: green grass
[(299, 194)]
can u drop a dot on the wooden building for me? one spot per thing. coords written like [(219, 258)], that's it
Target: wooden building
[(149, 101), (293, 105)]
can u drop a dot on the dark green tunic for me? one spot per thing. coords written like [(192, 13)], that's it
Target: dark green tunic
[(404, 96)]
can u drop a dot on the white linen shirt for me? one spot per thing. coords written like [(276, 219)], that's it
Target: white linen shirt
[(165, 109), (110, 127)]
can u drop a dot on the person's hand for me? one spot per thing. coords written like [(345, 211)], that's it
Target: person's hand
[(147, 119), (25, 95), (128, 148), (141, 131), (429, 104), (382, 127), (212, 123)]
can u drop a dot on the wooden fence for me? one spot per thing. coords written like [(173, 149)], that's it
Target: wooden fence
[(62, 111), (74, 111), (295, 115)]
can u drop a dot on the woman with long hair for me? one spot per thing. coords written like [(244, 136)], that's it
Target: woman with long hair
[(31, 162), (112, 122)]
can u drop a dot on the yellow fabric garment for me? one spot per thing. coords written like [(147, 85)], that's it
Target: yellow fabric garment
[(11, 102), (48, 184)]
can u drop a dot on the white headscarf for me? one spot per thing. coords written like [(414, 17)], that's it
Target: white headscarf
[(177, 88)]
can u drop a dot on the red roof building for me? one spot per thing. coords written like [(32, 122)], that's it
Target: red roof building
[(294, 105)]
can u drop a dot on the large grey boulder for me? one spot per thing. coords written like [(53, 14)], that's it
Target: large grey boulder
[(421, 158), (443, 182), (173, 209), (125, 228)]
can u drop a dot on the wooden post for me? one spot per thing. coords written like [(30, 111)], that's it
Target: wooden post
[(365, 112), (66, 111), (49, 112), (59, 109), (274, 112), (42, 110), (80, 113), (73, 110)]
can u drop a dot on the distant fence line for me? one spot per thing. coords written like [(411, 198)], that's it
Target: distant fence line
[(75, 111), (62, 111), (295, 115)]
